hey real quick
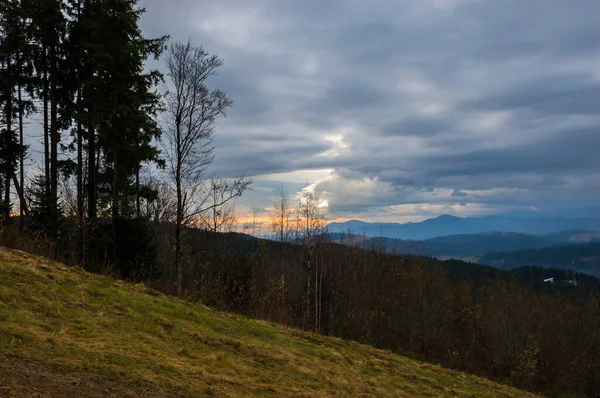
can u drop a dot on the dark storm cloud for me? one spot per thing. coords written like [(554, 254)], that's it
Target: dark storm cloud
[(255, 111), (553, 94), (351, 95), (558, 154), (444, 102), (276, 156), (418, 126)]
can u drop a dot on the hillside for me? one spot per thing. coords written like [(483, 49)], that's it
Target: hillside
[(574, 236), (463, 245), (469, 246), (65, 332), (583, 257)]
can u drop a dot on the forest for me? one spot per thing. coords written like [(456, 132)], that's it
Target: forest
[(123, 187), (582, 257)]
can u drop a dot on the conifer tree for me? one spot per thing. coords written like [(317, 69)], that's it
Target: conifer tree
[(46, 32), (12, 78), (124, 102)]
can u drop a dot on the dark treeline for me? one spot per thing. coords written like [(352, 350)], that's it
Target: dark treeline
[(123, 187), (462, 245), (582, 257)]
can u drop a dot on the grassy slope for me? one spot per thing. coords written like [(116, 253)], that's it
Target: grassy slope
[(65, 332)]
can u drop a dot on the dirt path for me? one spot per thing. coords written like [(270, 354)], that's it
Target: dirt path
[(20, 379)]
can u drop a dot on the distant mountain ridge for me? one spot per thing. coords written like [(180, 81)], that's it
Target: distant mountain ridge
[(445, 225)]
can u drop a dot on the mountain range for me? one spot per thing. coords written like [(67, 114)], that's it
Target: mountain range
[(471, 246), (501, 241), (450, 225)]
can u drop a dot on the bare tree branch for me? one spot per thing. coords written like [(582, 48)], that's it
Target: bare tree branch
[(188, 127)]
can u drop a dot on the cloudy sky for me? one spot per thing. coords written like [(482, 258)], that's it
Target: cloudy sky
[(403, 110)]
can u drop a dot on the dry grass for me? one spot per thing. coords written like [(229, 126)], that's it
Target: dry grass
[(77, 323)]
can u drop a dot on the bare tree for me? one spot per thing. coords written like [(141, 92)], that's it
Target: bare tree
[(162, 208), (281, 217), (67, 188), (191, 112), (282, 227), (311, 226), (252, 225), (218, 217)]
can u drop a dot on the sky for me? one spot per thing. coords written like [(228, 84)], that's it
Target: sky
[(397, 110)]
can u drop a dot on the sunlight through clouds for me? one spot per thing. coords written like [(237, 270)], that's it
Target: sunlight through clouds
[(396, 103)]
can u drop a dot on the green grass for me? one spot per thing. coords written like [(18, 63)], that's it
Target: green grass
[(73, 322)]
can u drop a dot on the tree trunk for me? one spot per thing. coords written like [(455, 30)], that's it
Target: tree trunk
[(319, 326), (137, 194), (180, 209), (80, 195), (19, 189), (53, 132), (316, 293), (46, 127), (9, 156), (308, 291), (92, 209), (7, 196), (115, 204), (178, 267), (116, 166), (22, 203), (283, 258), (91, 191), (178, 226)]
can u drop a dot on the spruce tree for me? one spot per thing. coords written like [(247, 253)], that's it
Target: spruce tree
[(124, 101), (47, 33), (12, 79)]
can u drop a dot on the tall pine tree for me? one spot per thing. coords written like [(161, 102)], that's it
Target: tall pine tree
[(124, 102), (47, 32), (12, 78)]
